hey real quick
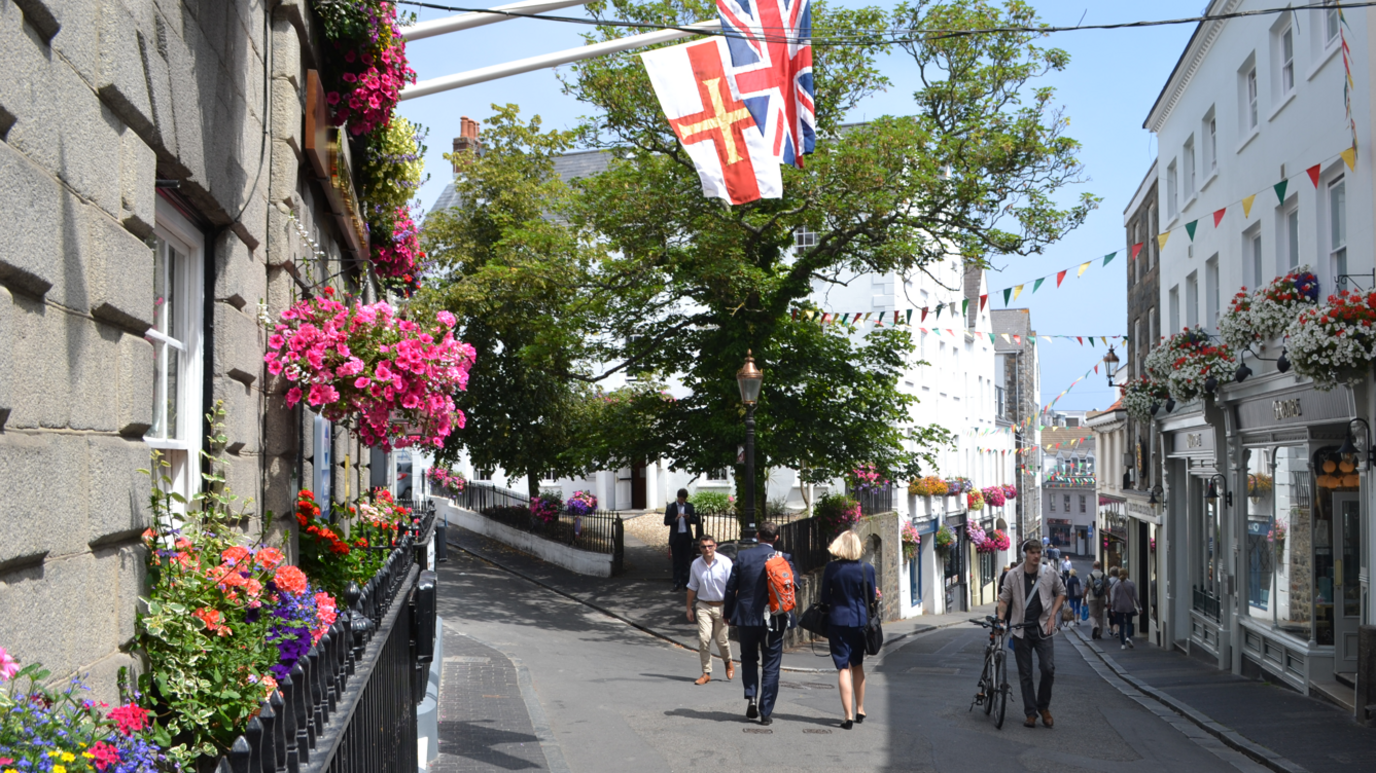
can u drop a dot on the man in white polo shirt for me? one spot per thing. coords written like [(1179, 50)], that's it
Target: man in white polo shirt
[(706, 590)]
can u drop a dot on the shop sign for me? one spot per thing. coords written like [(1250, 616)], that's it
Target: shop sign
[(1303, 408), (1287, 409), (1193, 442), (328, 151)]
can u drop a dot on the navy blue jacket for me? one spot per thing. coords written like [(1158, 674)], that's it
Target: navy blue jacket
[(747, 589), (846, 586), (690, 521)]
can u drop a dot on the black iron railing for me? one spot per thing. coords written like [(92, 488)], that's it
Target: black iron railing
[(876, 499), (1206, 603), (350, 704), (597, 531), (481, 496), (806, 540), (727, 527)]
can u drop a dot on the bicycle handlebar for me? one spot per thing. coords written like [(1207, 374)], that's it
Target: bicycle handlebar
[(991, 621)]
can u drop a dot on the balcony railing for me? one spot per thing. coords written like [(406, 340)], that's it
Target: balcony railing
[(350, 704)]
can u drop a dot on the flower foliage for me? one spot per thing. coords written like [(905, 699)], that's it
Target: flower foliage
[(1186, 360), (1267, 312), (976, 535), (58, 730), (837, 512), (999, 539), (958, 486), (945, 538), (974, 500), (1259, 484), (1140, 394), (445, 480), (1334, 343), (547, 506), (365, 359), (912, 540), (582, 503), (348, 548), (1010, 491), (928, 486), (994, 496), (1277, 533), (396, 249), (867, 477), (367, 57)]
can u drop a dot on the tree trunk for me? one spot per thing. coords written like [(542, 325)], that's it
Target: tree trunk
[(532, 484)]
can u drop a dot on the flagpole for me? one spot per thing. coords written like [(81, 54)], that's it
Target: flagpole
[(545, 61), (467, 21)]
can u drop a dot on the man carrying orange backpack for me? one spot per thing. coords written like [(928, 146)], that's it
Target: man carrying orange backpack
[(760, 599)]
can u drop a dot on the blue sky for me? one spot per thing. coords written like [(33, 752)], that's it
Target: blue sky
[(1112, 81)]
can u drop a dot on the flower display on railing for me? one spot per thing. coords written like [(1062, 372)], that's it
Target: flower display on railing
[(974, 500), (928, 486), (837, 512), (547, 506), (944, 539), (303, 614), (59, 730), (1141, 395), (993, 495), (958, 486), (867, 478), (581, 503), (396, 375), (912, 540), (333, 559), (1334, 343), (445, 480), (1186, 360), (1269, 311)]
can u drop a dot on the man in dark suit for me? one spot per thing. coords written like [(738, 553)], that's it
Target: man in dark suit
[(682, 523), (747, 607)]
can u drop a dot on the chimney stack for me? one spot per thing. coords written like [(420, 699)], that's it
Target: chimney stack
[(467, 139)]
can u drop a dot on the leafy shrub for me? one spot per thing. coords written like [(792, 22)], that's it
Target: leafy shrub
[(712, 503)]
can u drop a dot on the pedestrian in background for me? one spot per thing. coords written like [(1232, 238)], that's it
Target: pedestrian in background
[(1033, 594), (1113, 572), (706, 593), (1074, 591), (1065, 569), (681, 520), (1126, 606), (848, 590), (1096, 596), (746, 606)]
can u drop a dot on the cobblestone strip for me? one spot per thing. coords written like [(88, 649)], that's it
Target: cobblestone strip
[(1201, 729)]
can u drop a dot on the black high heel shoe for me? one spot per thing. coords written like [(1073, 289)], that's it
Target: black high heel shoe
[(859, 718), (848, 724)]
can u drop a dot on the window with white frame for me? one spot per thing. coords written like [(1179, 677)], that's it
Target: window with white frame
[(178, 249), (1211, 141), (1285, 59), (717, 475), (1288, 235), (1251, 251), (1192, 299), (1248, 117), (1337, 226), (1082, 503), (1188, 154), (1173, 312), (1172, 186), (1211, 292), (1152, 228), (1153, 330), (804, 239), (1331, 20)]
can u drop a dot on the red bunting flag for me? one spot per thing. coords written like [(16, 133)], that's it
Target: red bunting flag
[(1314, 174), (1060, 277), (924, 314), (1218, 216), (1096, 369), (1017, 339), (1081, 340), (1136, 248), (982, 299)]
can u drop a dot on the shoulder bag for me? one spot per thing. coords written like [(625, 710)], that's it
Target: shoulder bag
[(874, 629), (815, 618)]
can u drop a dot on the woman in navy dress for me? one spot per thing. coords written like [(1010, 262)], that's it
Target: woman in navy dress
[(847, 588)]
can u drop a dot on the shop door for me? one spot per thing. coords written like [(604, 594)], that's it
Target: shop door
[(1347, 595), (638, 493)]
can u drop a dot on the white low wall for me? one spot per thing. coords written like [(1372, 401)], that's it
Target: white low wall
[(572, 559)]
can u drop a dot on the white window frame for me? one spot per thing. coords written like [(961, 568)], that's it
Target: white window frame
[(717, 475), (1210, 131), (181, 445), (1192, 299), (1253, 116), (1172, 188), (1253, 259), (1285, 60), (1288, 235), (1212, 294), (1335, 226), (804, 239), (1174, 310), (1191, 187)]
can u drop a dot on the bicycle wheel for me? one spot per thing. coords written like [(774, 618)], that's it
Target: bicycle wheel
[(1000, 697), (990, 685)]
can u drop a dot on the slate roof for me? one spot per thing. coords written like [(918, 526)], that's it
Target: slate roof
[(1012, 322), (570, 166)]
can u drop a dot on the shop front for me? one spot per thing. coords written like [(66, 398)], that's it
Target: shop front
[(1300, 570), (924, 570), (955, 565), (1113, 532), (1192, 611), (1141, 525)]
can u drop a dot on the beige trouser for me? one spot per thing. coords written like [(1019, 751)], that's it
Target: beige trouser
[(711, 625)]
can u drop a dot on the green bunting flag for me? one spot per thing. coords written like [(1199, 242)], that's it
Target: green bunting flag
[(991, 338), (1038, 285), (1280, 190), (939, 307), (1109, 257), (965, 307), (1007, 293), (909, 319), (1189, 228)]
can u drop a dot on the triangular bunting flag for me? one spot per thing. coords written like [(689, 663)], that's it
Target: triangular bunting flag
[(1096, 369), (810, 313), (1104, 339), (991, 339), (1007, 293), (1083, 266), (1060, 277), (1161, 240), (924, 314), (1017, 339), (1109, 257), (1190, 227), (1080, 339), (1218, 216), (909, 320), (1313, 173), (1136, 248), (1032, 340), (1350, 157), (795, 315), (1279, 188), (939, 307), (895, 316), (1017, 291), (1005, 338), (1247, 206), (1091, 343), (982, 300), (952, 332), (1038, 284)]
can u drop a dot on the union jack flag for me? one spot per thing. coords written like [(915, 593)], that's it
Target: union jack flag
[(771, 68)]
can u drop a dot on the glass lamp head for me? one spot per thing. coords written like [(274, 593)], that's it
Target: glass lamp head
[(749, 378)]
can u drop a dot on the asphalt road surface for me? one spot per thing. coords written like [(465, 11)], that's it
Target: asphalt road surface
[(536, 681)]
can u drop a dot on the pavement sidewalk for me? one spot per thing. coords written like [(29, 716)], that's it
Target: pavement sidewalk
[(641, 597), (1279, 728)]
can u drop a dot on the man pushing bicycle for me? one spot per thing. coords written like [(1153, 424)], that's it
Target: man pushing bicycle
[(1034, 593)]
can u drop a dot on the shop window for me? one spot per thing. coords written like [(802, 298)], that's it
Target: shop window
[(1293, 546), (1261, 534), (178, 299)]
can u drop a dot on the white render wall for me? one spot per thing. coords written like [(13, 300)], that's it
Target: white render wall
[(1295, 130)]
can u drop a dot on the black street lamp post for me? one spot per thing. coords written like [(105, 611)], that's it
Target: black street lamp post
[(749, 378)]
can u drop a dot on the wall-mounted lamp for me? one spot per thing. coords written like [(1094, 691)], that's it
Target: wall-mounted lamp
[(1212, 493), (1111, 364)]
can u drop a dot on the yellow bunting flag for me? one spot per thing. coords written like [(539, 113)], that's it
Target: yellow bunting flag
[(1247, 205), (1350, 157), (1017, 291), (1161, 239), (1083, 267)]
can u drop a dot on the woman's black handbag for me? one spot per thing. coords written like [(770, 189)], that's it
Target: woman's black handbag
[(814, 620), (874, 629)]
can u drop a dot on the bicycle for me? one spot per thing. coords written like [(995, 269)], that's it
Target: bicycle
[(993, 688)]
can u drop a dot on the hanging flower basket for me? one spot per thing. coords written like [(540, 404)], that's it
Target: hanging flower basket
[(1186, 360), (911, 541), (974, 500), (993, 495), (1140, 395), (1259, 485), (975, 533), (1334, 343), (928, 486), (397, 375), (1000, 540), (1010, 492), (957, 486), (1269, 311), (1276, 536), (944, 539)]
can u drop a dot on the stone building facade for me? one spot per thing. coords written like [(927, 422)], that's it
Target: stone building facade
[(1021, 390), (158, 205)]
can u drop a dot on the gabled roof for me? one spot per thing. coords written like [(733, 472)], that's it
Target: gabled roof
[(570, 166)]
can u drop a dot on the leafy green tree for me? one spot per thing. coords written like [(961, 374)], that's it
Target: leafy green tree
[(973, 172)]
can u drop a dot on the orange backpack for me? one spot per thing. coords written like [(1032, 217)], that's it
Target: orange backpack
[(779, 575)]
